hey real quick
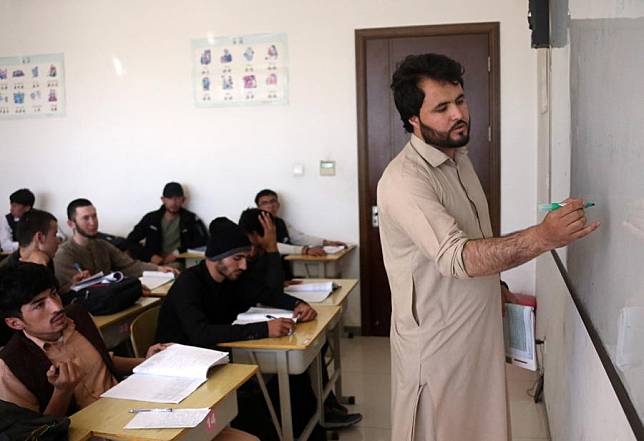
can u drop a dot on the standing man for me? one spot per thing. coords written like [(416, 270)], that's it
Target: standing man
[(167, 231), (448, 367)]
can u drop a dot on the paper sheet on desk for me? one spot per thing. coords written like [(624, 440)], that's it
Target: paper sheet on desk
[(333, 249), (177, 419), (154, 388), (154, 279)]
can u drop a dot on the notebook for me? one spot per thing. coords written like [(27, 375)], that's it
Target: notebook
[(311, 292), (154, 279), (168, 376), (256, 314), (98, 278)]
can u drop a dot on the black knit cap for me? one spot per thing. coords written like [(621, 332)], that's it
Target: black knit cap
[(226, 239), (172, 190)]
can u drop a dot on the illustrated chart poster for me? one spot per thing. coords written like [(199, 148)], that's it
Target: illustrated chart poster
[(244, 70), (32, 86)]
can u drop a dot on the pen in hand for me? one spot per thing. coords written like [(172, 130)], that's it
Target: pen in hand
[(78, 268)]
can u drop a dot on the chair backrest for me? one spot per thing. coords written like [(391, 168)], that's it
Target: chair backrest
[(143, 330)]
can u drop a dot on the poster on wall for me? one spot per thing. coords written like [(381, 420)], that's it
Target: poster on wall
[(242, 70), (32, 85)]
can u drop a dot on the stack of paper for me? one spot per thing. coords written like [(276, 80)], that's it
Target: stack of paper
[(518, 327), (168, 376), (255, 314), (154, 279), (311, 292)]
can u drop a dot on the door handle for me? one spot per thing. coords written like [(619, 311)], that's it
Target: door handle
[(375, 222)]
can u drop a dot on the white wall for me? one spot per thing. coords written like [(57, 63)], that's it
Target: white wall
[(123, 137)]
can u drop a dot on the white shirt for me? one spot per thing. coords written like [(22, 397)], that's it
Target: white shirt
[(298, 241), (7, 243)]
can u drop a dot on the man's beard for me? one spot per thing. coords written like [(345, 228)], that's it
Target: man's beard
[(85, 233), (443, 139)]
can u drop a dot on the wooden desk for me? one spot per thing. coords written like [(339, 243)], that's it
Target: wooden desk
[(339, 297), (115, 328), (107, 416), (291, 355), (327, 266)]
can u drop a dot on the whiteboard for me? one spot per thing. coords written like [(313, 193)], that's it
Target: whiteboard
[(607, 164)]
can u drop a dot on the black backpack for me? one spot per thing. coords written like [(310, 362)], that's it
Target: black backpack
[(19, 424), (104, 299)]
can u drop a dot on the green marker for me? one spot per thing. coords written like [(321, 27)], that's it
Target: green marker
[(555, 205)]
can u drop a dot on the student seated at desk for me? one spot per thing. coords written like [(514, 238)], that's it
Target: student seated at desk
[(203, 303), (21, 201), (56, 362), (265, 265), (86, 251), (290, 240), (168, 230)]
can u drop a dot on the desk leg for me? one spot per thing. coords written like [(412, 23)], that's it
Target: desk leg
[(285, 395), (267, 398), (337, 363), (322, 270)]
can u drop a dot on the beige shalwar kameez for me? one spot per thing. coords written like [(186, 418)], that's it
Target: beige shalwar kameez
[(448, 365)]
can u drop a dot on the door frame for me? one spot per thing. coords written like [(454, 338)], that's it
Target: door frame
[(492, 29)]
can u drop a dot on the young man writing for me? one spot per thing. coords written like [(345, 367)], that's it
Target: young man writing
[(203, 303), (84, 249)]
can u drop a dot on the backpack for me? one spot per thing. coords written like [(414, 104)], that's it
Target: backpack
[(19, 424), (104, 299)]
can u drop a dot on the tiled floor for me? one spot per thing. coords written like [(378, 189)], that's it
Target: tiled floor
[(366, 375)]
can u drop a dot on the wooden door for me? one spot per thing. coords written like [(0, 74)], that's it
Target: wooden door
[(381, 135)]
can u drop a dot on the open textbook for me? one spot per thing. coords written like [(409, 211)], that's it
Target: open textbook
[(311, 292), (256, 314), (154, 279), (168, 376), (518, 332), (98, 278)]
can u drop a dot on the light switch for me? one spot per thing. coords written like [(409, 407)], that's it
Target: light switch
[(327, 168), (298, 169)]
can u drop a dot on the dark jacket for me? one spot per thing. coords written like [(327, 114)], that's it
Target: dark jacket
[(199, 311), (30, 364), (12, 224), (193, 234)]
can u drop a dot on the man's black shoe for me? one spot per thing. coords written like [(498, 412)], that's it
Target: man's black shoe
[(337, 420)]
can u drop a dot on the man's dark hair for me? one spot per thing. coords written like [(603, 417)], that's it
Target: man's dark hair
[(24, 196), (19, 285), (249, 221), (265, 192), (32, 222), (76, 203), (408, 96)]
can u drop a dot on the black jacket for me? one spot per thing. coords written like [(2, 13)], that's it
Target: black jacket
[(193, 234), (198, 311)]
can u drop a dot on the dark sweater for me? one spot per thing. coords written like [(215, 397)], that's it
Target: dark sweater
[(192, 231), (199, 311)]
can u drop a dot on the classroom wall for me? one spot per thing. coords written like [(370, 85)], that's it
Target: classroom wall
[(124, 136)]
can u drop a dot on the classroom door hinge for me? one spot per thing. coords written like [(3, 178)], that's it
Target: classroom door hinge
[(489, 134), (489, 64)]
